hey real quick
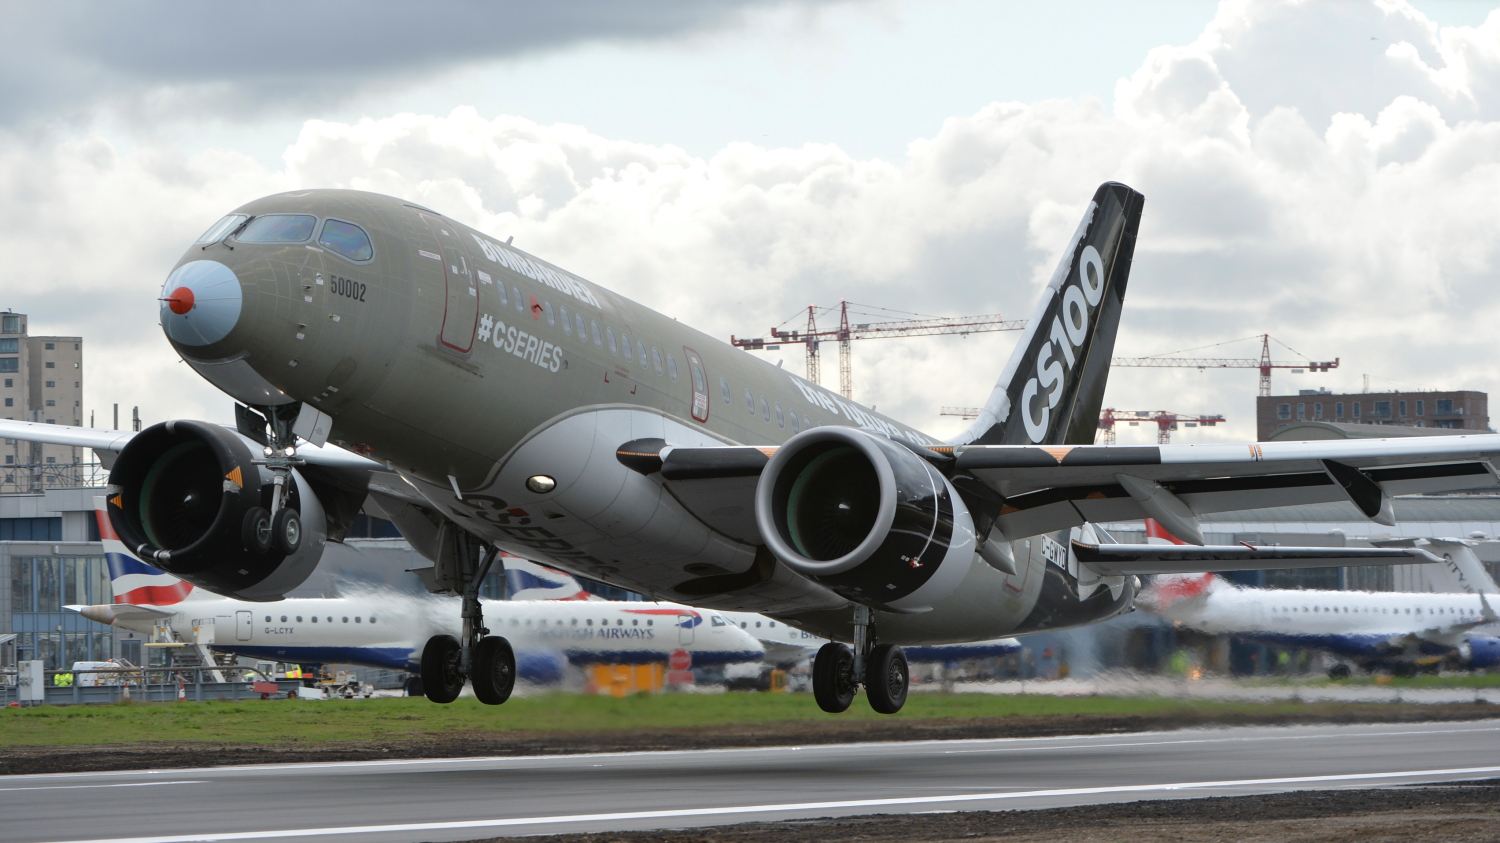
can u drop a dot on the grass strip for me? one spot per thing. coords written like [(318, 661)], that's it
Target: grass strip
[(278, 721)]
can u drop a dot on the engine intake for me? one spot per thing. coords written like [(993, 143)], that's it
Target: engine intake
[(866, 517), (1480, 652), (178, 497)]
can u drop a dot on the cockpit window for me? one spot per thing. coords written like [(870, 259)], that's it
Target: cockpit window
[(219, 230), (278, 228), (347, 239)]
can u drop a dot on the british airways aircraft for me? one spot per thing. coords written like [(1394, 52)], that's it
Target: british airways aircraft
[(1395, 631), (388, 631), (387, 357)]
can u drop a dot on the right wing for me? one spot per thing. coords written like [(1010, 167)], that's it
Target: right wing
[(1116, 560)]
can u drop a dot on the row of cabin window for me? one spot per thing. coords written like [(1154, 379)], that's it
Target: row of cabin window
[(583, 330), (586, 622), (766, 408), (314, 619), (607, 336), (1370, 610)]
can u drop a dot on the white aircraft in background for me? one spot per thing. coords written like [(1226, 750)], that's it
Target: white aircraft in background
[(784, 644), (388, 630), (1395, 631)]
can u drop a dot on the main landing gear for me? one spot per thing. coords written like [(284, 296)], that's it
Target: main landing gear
[(839, 671), (485, 661)]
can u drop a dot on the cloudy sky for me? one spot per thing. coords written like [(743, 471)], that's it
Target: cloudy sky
[(1325, 171)]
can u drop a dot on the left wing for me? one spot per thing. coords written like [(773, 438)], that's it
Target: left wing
[(328, 463)]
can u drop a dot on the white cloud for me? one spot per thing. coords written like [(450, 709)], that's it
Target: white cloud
[(1298, 180)]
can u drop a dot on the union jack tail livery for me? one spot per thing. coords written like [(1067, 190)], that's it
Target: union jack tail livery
[(527, 580), (1157, 534), (131, 580)]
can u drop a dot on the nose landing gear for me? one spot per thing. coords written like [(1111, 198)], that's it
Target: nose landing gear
[(839, 671), (486, 661)]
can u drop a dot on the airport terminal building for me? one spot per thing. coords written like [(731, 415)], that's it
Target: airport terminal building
[(1462, 410)]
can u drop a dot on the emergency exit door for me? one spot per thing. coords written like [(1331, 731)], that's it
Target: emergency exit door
[(461, 310), (242, 621)]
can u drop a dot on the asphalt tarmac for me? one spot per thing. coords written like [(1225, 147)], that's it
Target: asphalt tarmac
[(465, 799)]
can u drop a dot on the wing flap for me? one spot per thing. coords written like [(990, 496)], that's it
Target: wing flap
[(1400, 466), (1125, 559)]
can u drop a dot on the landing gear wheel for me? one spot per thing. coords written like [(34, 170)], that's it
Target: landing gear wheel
[(441, 680), (494, 670), (886, 678), (833, 678), (255, 531), (286, 531), (1339, 671)]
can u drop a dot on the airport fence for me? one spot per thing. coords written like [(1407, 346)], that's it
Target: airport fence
[(143, 684)]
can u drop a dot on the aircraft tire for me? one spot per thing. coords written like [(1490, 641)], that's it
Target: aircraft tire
[(494, 670), (887, 678), (286, 530), (256, 530), (833, 678), (1339, 671), (441, 681)]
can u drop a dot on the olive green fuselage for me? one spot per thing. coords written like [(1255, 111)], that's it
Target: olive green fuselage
[(468, 366)]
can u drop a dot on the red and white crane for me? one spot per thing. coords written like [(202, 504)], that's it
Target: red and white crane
[(1166, 421), (923, 326)]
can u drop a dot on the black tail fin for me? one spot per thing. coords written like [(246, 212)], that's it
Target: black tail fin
[(1053, 385)]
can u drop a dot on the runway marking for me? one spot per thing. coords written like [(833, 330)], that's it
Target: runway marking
[(1348, 730), (82, 786), (1218, 740), (211, 837)]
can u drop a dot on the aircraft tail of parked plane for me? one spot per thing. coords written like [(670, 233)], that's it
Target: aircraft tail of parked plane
[(526, 580), (1053, 385), (133, 581)]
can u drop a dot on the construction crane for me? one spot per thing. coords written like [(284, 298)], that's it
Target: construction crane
[(925, 326), (1265, 363), (1166, 421)]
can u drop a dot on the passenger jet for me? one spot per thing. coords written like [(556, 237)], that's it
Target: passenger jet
[(385, 356), (389, 630), (1395, 631)]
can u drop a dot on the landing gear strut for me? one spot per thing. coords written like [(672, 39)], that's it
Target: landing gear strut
[(279, 527), (486, 661), (839, 671)]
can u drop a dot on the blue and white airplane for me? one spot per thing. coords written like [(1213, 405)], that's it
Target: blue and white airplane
[(1378, 631), (784, 644), (386, 630)]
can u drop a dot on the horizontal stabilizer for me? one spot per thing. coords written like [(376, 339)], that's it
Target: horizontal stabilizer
[(1116, 560), (110, 612)]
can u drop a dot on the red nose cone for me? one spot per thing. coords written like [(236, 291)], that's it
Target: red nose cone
[(181, 300)]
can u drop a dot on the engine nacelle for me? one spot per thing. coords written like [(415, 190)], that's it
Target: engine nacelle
[(1480, 651), (178, 496), (865, 517)]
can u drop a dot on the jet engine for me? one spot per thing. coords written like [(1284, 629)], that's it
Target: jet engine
[(866, 517), (187, 497), (1479, 652)]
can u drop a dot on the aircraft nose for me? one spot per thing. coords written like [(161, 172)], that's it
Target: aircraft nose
[(200, 303)]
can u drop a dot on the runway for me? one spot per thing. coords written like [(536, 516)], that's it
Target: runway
[(464, 799)]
